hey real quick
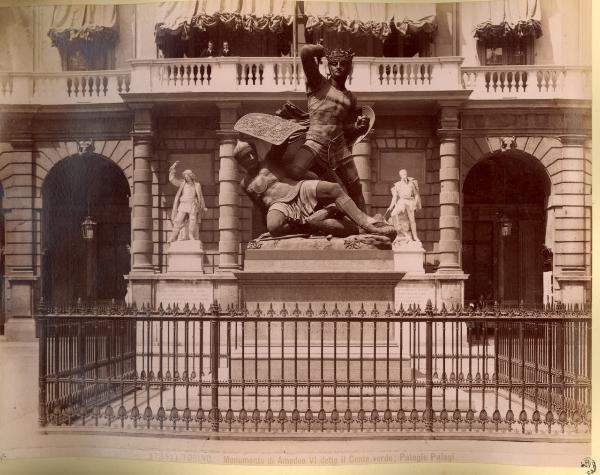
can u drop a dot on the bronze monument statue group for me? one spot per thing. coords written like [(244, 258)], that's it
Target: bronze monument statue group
[(307, 182)]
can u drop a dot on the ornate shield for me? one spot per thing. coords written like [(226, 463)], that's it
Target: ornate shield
[(370, 113), (267, 127)]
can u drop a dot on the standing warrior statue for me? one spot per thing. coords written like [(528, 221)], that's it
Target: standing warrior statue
[(334, 122), (405, 201), (187, 205)]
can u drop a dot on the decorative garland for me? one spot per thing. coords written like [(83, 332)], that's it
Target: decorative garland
[(81, 39), (378, 29), (237, 22), (487, 31)]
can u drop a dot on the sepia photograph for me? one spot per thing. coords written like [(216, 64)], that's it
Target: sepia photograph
[(296, 235)]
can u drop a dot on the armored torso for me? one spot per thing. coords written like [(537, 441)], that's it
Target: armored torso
[(270, 185), (329, 109)]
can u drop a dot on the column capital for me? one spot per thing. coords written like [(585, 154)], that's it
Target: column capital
[(142, 121), (576, 140), (227, 134), (142, 136), (228, 105), (449, 116), (228, 114), (449, 133), (18, 128)]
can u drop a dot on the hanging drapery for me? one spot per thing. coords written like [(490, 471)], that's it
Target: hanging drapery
[(509, 19), (263, 15), (177, 18), (376, 19), (75, 27)]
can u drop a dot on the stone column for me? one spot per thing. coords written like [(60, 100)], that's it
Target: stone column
[(141, 214), (362, 158), (449, 244), (22, 231), (140, 288), (229, 197), (572, 253)]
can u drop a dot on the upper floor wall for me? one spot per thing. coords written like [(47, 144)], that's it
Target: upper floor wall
[(566, 31), (565, 40)]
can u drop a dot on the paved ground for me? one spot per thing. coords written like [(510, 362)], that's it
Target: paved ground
[(20, 437)]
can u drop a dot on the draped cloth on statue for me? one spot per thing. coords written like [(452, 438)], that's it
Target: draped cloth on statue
[(371, 18), (176, 18), (77, 24), (508, 19)]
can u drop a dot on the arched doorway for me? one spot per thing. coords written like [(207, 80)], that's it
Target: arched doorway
[(504, 223), (77, 268)]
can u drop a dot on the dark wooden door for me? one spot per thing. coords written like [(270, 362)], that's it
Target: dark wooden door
[(531, 259), (478, 259)]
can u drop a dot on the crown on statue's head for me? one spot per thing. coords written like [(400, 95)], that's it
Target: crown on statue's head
[(338, 54)]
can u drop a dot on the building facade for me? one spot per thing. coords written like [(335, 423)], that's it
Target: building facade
[(486, 104)]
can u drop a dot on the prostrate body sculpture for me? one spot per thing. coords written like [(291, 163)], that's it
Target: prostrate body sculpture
[(303, 206), (188, 204), (405, 201)]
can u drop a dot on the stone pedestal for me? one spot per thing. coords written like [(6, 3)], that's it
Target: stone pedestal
[(416, 288), (183, 289), (318, 271), (409, 257), (20, 329), (20, 326), (574, 288), (185, 256)]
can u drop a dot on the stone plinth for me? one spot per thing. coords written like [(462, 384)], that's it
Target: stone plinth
[(574, 287), (184, 288), (185, 256), (181, 288), (354, 270), (320, 272), (409, 257), (418, 287), (20, 329)]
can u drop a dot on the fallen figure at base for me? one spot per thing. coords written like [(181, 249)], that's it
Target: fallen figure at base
[(306, 206)]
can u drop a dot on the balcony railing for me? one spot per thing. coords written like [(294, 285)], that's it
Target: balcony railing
[(285, 74), (272, 75), (75, 87), (331, 371), (528, 82)]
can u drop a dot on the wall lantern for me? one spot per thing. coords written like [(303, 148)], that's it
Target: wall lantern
[(88, 228), (505, 226)]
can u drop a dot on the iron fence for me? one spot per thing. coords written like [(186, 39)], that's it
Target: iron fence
[(330, 371)]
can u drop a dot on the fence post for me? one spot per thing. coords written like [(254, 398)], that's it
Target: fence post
[(43, 326), (560, 356), (428, 414), (214, 364)]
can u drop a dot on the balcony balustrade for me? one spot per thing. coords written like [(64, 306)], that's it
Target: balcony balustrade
[(285, 74), (73, 87), (273, 75), (528, 82)]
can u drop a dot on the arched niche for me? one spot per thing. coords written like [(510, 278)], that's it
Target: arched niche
[(73, 267), (505, 197)]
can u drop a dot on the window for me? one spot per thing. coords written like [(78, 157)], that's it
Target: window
[(407, 46), (85, 36), (506, 51), (87, 58)]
